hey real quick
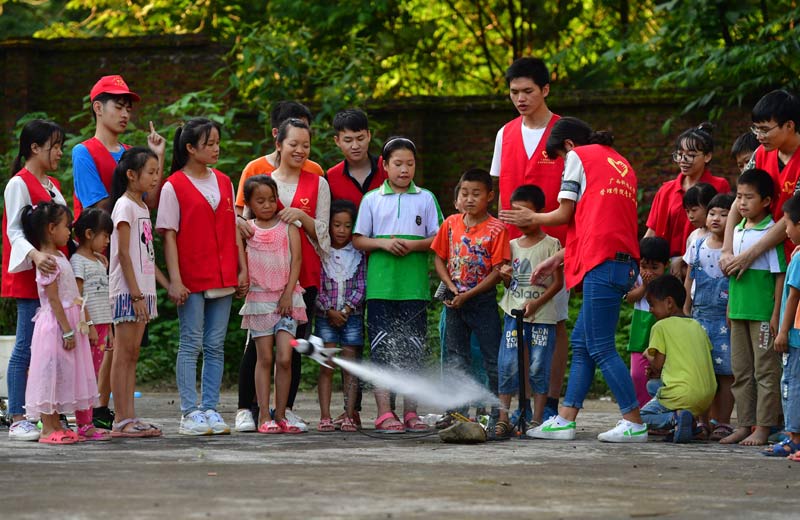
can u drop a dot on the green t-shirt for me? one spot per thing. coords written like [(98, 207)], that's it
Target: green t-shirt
[(641, 323), (688, 371)]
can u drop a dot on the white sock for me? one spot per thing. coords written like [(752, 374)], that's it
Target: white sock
[(560, 421), (636, 426)]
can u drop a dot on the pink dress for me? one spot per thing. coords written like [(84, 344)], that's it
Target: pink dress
[(269, 266), (59, 380)]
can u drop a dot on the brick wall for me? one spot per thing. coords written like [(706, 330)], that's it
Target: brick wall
[(452, 134)]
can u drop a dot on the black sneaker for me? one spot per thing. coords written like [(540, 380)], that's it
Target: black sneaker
[(103, 418)]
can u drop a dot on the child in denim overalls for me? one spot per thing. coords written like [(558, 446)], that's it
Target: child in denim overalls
[(708, 304)]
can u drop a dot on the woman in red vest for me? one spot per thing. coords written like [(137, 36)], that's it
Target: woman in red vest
[(693, 151), (304, 199), (206, 264), (602, 252), (40, 148)]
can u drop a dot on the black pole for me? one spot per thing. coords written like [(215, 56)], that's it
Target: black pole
[(523, 366)]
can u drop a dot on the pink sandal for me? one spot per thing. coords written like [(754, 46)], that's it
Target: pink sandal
[(326, 426), (413, 423), (270, 427), (59, 437), (348, 426), (389, 423), (285, 427), (98, 434)]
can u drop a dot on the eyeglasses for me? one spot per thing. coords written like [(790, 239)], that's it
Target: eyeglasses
[(687, 157), (761, 131)]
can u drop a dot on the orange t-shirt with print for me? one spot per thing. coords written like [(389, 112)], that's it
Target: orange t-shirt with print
[(262, 166), (471, 252)]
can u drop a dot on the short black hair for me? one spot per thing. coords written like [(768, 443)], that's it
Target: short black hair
[(528, 67), (255, 181), (397, 142), (655, 249), (745, 143), (667, 286), (96, 219), (456, 191), (791, 208), (283, 110), (780, 105), (699, 195), (105, 97), (760, 180), (344, 206), (721, 200), (529, 193), (477, 175), (699, 138), (351, 119)]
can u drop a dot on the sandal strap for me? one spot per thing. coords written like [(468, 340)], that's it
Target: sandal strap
[(385, 417)]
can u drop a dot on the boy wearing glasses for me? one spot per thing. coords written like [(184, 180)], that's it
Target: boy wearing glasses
[(776, 118)]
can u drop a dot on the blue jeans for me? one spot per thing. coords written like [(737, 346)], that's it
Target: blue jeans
[(593, 342), (790, 390), (540, 355), (203, 324), (20, 360)]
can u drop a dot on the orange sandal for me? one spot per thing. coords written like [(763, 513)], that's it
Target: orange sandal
[(389, 423)]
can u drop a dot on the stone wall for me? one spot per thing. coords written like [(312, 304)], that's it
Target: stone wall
[(452, 134)]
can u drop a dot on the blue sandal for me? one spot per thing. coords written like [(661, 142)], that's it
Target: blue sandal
[(780, 449)]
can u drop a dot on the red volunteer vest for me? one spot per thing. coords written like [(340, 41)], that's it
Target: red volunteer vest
[(345, 187), (594, 236), (306, 199), (105, 165), (23, 284), (785, 184), (207, 254), (516, 169)]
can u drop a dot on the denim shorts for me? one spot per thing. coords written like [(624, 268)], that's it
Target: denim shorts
[(541, 341), (286, 323), (790, 390), (351, 333)]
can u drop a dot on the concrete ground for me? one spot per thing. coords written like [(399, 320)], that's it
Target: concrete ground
[(403, 476)]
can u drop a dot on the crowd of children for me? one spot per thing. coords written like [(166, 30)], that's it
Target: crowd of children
[(715, 321)]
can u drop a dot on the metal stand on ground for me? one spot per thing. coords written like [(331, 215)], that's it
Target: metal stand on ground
[(523, 365)]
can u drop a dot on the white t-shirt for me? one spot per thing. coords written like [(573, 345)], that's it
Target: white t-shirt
[(530, 137), (140, 249), (169, 211)]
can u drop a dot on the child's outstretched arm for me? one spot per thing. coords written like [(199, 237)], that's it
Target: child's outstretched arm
[(178, 292), (776, 309), (51, 291), (285, 301), (162, 279), (737, 265), (789, 313), (533, 305)]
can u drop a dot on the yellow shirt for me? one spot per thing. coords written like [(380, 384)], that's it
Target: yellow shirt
[(688, 372)]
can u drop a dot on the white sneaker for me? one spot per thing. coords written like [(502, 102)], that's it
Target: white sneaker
[(195, 424), (550, 429), (295, 420), (23, 431), (625, 431), (216, 423), (244, 421)]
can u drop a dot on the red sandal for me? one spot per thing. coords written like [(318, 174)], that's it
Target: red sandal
[(288, 428), (389, 423), (59, 437), (413, 423)]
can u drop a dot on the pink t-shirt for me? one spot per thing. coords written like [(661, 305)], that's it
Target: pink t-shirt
[(169, 212), (140, 248)]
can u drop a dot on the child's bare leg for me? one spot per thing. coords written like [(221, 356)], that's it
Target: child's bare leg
[(123, 368), (409, 406), (263, 376), (50, 423), (324, 384), (104, 378), (505, 404), (757, 438), (382, 401), (539, 402), (283, 373), (350, 382), (738, 435), (722, 406), (558, 365)]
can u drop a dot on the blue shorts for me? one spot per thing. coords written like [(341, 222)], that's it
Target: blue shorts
[(541, 341), (790, 390), (285, 323), (720, 336), (350, 334)]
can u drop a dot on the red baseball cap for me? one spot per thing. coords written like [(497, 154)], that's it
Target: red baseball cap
[(112, 85)]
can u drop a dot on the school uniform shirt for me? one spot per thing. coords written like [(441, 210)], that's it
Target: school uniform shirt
[(263, 166), (413, 215), (520, 158), (668, 217), (792, 281), (520, 289), (688, 372), (752, 296), (344, 186), (471, 253)]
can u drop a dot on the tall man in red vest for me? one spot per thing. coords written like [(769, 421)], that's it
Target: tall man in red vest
[(520, 158), (776, 125), (93, 163)]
